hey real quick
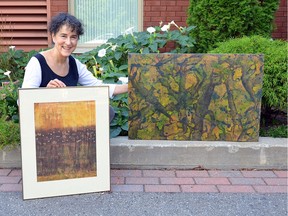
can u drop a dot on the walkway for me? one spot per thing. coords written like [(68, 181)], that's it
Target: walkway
[(206, 181)]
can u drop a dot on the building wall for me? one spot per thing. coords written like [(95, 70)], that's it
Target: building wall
[(156, 11)]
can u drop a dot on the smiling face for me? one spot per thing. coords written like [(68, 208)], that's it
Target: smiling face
[(65, 40)]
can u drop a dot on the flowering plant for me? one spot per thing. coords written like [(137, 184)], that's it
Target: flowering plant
[(8, 99), (109, 61)]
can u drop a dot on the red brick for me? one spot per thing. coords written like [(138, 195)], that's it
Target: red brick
[(184, 3), (126, 173), (132, 180), (258, 174), (174, 8), (178, 181), (212, 181), (158, 8), (170, 3), (270, 189), (282, 174), (235, 189), (6, 179), (167, 14), (247, 181), (192, 173), (199, 188), (127, 188), (159, 173), (4, 172), (220, 173), (276, 181), (162, 188), (11, 187), (153, 14), (117, 180), (152, 2)]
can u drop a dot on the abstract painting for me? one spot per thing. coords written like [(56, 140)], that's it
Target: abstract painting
[(203, 97)]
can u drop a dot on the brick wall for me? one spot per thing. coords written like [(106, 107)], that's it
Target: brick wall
[(280, 21), (156, 11)]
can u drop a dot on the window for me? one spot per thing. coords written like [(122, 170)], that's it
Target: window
[(104, 19)]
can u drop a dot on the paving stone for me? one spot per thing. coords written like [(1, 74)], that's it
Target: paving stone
[(236, 189), (199, 188), (127, 188), (220, 173), (158, 173), (162, 188), (270, 189), (177, 181), (4, 172), (126, 173), (258, 174), (276, 181), (212, 181), (192, 173), (11, 187), (281, 174), (247, 181), (139, 180)]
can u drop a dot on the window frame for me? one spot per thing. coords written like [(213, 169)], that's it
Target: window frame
[(81, 48)]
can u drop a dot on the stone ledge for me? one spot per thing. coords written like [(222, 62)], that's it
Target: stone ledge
[(268, 153)]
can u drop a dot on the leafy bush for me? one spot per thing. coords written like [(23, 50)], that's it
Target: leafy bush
[(15, 61), (275, 83), (9, 134), (109, 61), (8, 99), (217, 21)]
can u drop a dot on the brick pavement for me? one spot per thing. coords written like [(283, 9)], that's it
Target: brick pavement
[(212, 181)]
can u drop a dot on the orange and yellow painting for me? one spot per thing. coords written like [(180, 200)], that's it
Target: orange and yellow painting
[(204, 97), (65, 140)]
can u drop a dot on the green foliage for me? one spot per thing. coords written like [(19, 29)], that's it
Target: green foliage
[(217, 21), (279, 132), (9, 134), (109, 61), (15, 61), (8, 100), (275, 83)]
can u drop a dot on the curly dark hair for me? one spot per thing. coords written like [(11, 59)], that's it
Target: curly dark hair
[(66, 19)]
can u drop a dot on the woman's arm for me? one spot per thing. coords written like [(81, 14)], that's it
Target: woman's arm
[(32, 77), (120, 89)]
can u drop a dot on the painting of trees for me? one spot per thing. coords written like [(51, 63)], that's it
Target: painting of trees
[(195, 96)]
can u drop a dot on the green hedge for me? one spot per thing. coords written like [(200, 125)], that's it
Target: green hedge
[(217, 21), (275, 65)]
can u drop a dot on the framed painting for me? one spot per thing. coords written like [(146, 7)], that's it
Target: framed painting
[(64, 141)]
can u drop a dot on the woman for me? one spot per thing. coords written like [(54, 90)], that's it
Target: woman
[(56, 68)]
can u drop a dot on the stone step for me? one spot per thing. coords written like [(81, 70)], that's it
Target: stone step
[(268, 153)]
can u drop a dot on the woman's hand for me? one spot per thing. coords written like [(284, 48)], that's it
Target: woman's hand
[(55, 83)]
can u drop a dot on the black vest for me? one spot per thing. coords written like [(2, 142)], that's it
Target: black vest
[(71, 79)]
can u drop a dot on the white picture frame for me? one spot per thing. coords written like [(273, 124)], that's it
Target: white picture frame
[(39, 109)]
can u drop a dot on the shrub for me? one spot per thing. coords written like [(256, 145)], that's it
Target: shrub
[(109, 61), (9, 134), (217, 21), (16, 61), (275, 66)]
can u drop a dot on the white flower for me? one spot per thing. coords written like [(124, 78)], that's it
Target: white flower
[(124, 80), (7, 73), (102, 53), (101, 69), (165, 28), (12, 47), (129, 31), (114, 47), (151, 30)]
